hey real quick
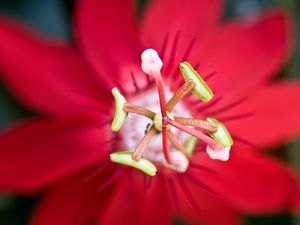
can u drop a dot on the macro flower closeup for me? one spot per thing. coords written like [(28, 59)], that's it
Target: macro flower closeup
[(64, 151)]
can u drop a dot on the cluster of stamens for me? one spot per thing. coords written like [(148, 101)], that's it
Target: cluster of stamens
[(209, 131)]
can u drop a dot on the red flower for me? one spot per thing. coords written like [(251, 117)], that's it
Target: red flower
[(54, 78)]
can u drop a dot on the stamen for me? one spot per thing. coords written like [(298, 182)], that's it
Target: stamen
[(125, 158), (120, 115), (143, 144), (209, 141), (185, 89), (128, 107), (221, 135), (197, 123), (201, 89)]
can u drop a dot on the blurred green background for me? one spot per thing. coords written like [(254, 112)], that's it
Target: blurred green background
[(54, 18)]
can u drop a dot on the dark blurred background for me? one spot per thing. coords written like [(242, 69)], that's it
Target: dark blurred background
[(54, 18)]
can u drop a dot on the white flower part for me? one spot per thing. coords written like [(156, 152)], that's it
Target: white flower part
[(220, 154), (134, 129), (180, 164), (151, 62)]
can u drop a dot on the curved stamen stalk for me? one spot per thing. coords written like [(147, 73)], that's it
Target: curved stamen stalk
[(209, 141), (128, 107), (197, 123), (143, 144), (184, 89)]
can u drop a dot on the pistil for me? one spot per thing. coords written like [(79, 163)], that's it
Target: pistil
[(151, 65)]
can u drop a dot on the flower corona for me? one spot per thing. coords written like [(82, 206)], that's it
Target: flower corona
[(217, 138)]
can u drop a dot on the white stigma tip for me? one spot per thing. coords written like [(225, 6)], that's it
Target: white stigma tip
[(220, 154), (151, 63)]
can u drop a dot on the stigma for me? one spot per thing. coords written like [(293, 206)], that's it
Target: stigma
[(177, 135)]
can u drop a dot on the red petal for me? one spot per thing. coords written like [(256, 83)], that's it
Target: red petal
[(72, 202), (130, 205), (107, 35), (41, 72), (245, 54), (250, 182), (38, 152), (276, 115), (192, 17), (210, 208)]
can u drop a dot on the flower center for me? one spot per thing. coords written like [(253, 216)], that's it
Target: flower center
[(149, 138), (137, 126)]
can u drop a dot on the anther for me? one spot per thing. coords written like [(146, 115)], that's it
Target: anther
[(120, 114), (125, 158), (201, 89)]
